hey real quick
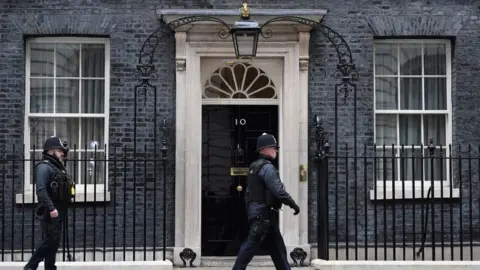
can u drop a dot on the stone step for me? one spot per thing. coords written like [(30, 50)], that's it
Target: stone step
[(265, 261), (226, 263)]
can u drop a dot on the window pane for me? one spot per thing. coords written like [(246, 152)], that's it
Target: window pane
[(410, 59), (92, 167), (386, 59), (67, 96), (439, 171), (41, 95), (386, 129), (93, 96), (386, 93), (386, 162), (435, 59), (67, 130), (434, 128), (67, 63), (410, 164), (411, 93), (410, 129), (93, 133), (435, 93), (41, 60), (93, 60), (43, 128), (40, 130)]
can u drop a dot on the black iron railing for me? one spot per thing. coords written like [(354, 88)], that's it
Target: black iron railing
[(118, 213), (405, 203)]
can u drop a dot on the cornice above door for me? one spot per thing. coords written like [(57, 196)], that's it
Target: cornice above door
[(207, 30)]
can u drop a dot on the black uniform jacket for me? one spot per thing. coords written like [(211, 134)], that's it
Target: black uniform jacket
[(44, 175), (270, 176)]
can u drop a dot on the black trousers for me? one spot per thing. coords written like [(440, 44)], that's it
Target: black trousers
[(48, 247), (263, 229)]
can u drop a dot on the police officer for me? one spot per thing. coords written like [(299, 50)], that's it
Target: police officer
[(54, 190), (264, 197)]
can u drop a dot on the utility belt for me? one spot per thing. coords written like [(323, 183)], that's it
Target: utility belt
[(275, 206), (271, 207)]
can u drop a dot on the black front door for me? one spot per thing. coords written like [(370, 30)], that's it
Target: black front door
[(229, 135)]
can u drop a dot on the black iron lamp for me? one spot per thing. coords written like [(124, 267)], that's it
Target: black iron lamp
[(245, 34)]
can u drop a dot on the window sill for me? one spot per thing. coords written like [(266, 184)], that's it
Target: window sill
[(99, 197), (414, 194)]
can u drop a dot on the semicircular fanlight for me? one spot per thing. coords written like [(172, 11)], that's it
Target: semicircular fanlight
[(240, 80)]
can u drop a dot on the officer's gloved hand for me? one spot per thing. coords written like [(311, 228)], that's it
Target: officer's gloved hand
[(296, 208)]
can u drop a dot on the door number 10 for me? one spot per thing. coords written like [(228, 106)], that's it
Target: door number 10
[(241, 121)]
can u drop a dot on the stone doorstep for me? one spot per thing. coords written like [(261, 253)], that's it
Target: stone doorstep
[(260, 261), (228, 261)]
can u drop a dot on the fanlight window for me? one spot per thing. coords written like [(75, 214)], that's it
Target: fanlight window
[(240, 80)]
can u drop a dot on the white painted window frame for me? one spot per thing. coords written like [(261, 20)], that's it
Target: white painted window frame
[(448, 125), (80, 188)]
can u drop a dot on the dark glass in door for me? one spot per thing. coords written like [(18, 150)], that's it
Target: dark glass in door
[(229, 135)]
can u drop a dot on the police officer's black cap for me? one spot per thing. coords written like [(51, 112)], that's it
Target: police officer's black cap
[(53, 143), (266, 140)]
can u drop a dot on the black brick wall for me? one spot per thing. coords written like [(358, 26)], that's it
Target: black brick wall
[(128, 23), (359, 24)]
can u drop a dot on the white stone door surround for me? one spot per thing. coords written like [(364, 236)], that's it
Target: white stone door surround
[(290, 42)]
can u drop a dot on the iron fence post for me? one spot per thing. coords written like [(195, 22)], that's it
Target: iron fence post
[(164, 164), (321, 158)]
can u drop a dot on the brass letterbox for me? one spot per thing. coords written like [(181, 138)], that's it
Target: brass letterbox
[(239, 171)]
